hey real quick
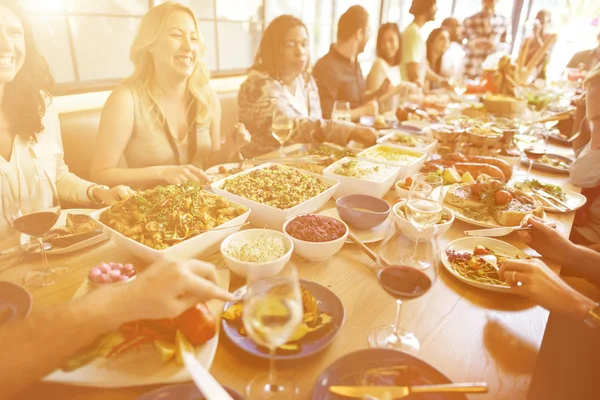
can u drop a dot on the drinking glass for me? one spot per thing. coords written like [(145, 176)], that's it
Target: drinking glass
[(403, 281), (458, 84), (272, 314), (341, 111), (282, 128), (424, 207), (532, 144), (32, 207)]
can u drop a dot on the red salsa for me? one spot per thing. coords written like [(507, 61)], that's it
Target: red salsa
[(315, 228)]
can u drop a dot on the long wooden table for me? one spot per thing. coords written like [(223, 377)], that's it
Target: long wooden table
[(467, 333)]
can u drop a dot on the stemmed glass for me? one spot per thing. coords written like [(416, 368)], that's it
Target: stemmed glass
[(458, 84), (272, 314), (533, 143), (424, 207), (282, 128), (32, 207), (403, 281)]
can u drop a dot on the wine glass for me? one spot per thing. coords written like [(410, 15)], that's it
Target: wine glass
[(458, 84), (272, 314), (282, 128), (532, 144), (424, 207), (31, 206), (341, 111), (403, 281)]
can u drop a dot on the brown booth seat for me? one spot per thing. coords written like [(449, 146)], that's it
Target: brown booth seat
[(80, 128)]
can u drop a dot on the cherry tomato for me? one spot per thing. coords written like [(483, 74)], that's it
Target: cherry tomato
[(502, 197), (496, 185), (408, 181), (477, 189), (480, 251)]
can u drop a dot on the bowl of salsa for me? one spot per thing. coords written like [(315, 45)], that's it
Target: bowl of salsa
[(316, 237)]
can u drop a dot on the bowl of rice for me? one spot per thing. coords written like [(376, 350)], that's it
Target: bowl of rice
[(266, 251)]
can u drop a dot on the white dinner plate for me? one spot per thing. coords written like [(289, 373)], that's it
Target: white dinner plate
[(488, 223), (574, 200), (467, 244), (60, 223), (144, 367), (366, 236)]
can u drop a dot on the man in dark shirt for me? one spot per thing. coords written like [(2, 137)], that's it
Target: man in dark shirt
[(338, 73)]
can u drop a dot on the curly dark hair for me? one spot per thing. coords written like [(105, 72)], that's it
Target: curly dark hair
[(269, 57), (24, 101), (391, 26)]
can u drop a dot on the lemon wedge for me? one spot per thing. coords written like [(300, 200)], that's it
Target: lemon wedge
[(166, 350)]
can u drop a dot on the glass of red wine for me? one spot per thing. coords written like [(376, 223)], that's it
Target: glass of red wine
[(31, 206), (537, 147), (404, 281)]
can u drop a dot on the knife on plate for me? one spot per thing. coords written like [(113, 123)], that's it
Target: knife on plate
[(398, 392), (497, 232), (555, 199)]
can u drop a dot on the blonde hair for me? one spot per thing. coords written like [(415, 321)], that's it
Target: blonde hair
[(198, 86)]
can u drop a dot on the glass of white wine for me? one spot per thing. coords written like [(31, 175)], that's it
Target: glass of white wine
[(272, 314), (341, 111), (422, 210), (458, 84), (282, 128)]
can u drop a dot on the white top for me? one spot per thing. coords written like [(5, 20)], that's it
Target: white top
[(299, 98), (453, 61), (391, 72), (414, 50), (585, 173), (48, 154)]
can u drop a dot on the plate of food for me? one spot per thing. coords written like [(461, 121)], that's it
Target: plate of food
[(323, 317), (489, 203), (176, 221), (358, 176), (145, 352), (551, 163), (74, 230), (276, 193), (471, 261), (405, 140), (335, 151), (380, 367), (379, 122), (573, 199), (364, 235)]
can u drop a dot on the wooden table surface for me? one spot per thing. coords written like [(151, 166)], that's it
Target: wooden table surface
[(466, 333)]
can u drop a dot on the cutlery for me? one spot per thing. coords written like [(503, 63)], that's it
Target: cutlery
[(550, 204), (497, 232), (204, 381), (398, 392), (362, 246), (205, 230), (553, 198)]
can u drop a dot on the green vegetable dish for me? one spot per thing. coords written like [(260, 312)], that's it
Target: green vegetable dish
[(549, 188)]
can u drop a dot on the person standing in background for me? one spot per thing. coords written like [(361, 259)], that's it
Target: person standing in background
[(414, 50), (532, 44), (338, 73), (437, 44), (484, 31), (453, 60)]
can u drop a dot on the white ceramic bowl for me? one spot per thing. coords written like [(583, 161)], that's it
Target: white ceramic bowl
[(316, 251), (428, 148), (411, 232), (204, 244), (376, 186), (273, 218), (266, 269), (408, 168)]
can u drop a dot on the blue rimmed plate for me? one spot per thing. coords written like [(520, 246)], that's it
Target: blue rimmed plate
[(328, 302), (358, 369)]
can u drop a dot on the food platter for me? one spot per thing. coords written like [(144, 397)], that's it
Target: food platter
[(573, 199), (60, 223), (328, 303), (467, 244), (140, 368), (390, 367), (366, 236), (549, 168)]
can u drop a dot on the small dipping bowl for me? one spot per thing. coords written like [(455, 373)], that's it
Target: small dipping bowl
[(361, 211)]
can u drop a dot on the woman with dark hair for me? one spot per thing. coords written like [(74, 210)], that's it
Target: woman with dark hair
[(280, 79), (437, 43), (29, 126), (387, 64)]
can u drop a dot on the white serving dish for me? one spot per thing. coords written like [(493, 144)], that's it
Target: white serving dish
[(376, 186), (429, 148), (317, 251), (411, 232), (406, 169), (266, 269), (273, 218), (202, 245)]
